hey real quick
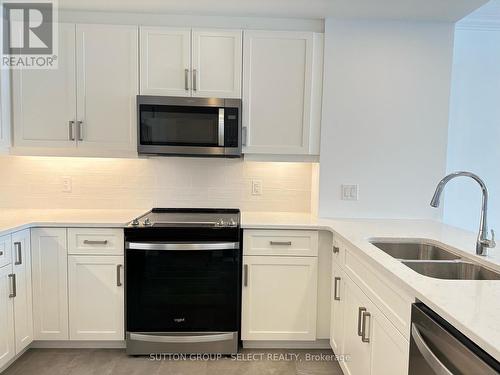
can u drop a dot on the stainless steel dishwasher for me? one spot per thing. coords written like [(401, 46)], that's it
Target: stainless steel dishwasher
[(436, 347)]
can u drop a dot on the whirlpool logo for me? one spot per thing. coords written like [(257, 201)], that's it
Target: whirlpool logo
[(29, 34), (179, 320)]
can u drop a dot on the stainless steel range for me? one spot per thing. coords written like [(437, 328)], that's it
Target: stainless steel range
[(183, 281)]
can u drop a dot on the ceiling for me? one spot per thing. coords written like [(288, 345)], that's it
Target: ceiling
[(432, 10), (489, 11)]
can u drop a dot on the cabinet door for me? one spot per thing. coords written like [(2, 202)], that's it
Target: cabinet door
[(279, 298), (217, 63), (337, 309), (359, 351), (7, 344), (107, 81), (44, 100), (281, 108), (390, 352), (50, 286), (23, 306), (96, 305), (165, 61)]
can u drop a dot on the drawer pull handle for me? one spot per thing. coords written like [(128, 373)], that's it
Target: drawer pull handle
[(281, 243), (336, 249), (118, 275), (95, 242), (19, 253), (13, 286), (364, 332), (360, 312), (336, 296)]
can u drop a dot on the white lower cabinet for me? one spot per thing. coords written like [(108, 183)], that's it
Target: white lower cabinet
[(361, 331), (23, 301), (50, 283), (7, 342), (96, 302), (279, 298), (336, 309)]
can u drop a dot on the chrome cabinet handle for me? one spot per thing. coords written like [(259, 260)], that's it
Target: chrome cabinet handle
[(195, 83), (431, 359), (13, 287), (336, 297), (245, 275), (118, 275), (71, 136), (360, 312), (336, 249), (19, 253), (364, 334), (79, 130), (186, 79), (95, 242), (281, 243)]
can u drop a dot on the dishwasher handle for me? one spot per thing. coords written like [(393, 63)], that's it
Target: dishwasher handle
[(432, 360)]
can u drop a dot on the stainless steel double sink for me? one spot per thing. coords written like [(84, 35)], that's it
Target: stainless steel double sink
[(433, 261)]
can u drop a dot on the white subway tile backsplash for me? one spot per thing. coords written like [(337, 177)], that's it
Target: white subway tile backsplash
[(36, 182)]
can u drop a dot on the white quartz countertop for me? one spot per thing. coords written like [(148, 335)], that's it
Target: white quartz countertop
[(472, 306)]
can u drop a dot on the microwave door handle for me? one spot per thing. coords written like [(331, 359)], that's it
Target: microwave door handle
[(221, 127)]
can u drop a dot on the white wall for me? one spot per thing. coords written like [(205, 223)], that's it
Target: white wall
[(385, 116), (474, 133), (36, 182)]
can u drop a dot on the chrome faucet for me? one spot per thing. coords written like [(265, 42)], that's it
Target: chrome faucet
[(483, 243)]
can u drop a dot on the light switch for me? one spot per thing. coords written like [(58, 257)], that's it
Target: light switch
[(350, 192), (256, 187)]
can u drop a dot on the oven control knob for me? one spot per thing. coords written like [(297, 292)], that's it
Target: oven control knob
[(135, 222), (147, 222), (232, 223)]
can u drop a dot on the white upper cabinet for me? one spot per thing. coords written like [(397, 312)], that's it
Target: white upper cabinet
[(107, 85), (181, 62), (44, 101), (217, 63), (165, 61), (282, 89), (88, 102)]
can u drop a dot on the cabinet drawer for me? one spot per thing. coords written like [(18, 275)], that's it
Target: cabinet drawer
[(5, 250), (280, 242), (95, 241)]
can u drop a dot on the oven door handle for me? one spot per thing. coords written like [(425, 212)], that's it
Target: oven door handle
[(173, 246)]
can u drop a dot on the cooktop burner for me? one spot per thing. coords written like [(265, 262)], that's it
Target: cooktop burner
[(188, 217)]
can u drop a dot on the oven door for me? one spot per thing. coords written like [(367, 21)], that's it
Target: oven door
[(186, 126), (182, 287)]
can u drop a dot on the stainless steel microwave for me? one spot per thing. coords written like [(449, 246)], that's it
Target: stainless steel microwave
[(178, 126)]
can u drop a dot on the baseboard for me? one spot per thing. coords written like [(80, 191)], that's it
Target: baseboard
[(8, 364), (70, 344), (318, 344)]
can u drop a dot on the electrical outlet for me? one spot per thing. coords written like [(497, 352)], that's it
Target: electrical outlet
[(67, 184), (256, 187), (350, 192)]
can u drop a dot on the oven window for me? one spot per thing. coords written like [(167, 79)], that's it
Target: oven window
[(177, 291), (166, 125)]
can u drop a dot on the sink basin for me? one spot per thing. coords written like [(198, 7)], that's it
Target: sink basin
[(453, 270), (414, 250)]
